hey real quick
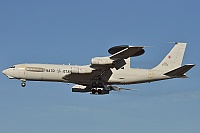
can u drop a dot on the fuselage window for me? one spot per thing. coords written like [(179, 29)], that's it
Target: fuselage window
[(12, 67), (35, 69)]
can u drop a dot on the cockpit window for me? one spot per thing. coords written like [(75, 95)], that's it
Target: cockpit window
[(12, 67)]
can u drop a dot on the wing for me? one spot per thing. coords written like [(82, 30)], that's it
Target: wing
[(92, 75), (100, 67)]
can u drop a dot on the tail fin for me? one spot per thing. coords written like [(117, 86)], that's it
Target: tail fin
[(173, 59)]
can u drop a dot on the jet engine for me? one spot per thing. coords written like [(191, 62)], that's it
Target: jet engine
[(80, 88), (96, 91)]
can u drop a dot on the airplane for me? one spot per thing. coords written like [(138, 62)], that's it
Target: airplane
[(104, 72)]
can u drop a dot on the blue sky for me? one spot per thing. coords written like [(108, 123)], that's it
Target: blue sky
[(74, 31)]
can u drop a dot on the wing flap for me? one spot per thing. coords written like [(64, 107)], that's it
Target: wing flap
[(87, 78), (180, 72)]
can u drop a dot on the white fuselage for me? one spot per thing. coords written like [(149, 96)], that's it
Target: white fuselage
[(50, 72)]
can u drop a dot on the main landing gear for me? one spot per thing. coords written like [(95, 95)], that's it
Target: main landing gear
[(97, 88)]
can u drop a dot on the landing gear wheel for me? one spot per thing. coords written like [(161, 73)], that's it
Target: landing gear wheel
[(99, 91), (100, 85), (94, 85), (23, 84), (93, 91)]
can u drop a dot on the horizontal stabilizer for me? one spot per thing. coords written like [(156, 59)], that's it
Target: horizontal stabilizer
[(180, 72)]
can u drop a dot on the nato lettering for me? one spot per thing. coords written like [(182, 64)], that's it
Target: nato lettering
[(50, 70)]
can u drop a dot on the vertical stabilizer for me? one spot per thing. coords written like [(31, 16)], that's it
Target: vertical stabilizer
[(173, 59)]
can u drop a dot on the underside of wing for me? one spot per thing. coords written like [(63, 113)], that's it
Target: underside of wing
[(98, 74), (78, 78)]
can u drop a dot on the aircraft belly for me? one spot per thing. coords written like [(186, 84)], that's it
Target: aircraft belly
[(80, 79)]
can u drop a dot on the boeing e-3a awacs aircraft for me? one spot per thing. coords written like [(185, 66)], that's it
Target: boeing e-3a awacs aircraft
[(103, 72)]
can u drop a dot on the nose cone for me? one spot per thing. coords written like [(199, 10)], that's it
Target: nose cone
[(4, 71), (7, 73)]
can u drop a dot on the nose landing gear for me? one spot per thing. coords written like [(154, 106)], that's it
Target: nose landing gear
[(23, 84)]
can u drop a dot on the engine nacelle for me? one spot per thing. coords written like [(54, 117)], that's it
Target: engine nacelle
[(101, 61), (80, 88), (96, 91)]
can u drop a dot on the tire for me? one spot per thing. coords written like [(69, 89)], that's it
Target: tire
[(94, 85), (23, 84), (93, 91), (100, 85), (99, 91)]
